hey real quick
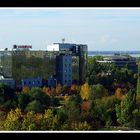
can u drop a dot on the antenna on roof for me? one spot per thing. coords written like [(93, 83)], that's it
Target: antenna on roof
[(63, 40)]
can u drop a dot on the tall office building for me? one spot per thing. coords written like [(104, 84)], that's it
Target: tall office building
[(64, 69), (79, 58)]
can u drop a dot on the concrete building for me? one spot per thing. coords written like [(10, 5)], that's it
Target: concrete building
[(121, 62), (64, 69), (7, 81), (79, 58)]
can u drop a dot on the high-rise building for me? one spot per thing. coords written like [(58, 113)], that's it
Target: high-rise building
[(64, 69), (79, 58)]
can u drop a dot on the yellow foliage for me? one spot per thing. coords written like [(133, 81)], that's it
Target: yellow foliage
[(66, 98), (58, 89), (85, 91)]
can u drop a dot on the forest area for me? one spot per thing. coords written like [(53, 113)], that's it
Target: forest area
[(104, 102)]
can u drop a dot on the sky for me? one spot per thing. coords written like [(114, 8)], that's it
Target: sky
[(102, 29)]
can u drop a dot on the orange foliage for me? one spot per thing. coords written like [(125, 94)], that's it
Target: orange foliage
[(86, 105), (74, 89), (118, 93), (58, 89), (46, 90), (25, 89)]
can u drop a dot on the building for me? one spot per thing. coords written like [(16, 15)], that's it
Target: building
[(64, 69), (22, 63), (7, 81), (121, 61), (32, 82), (52, 81), (79, 58)]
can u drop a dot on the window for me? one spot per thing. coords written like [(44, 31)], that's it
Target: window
[(24, 82), (29, 82), (38, 82), (65, 65)]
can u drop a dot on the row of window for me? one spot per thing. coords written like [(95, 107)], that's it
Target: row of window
[(67, 81), (29, 82), (66, 70)]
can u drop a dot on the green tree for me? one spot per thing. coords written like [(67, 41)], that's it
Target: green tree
[(125, 108), (98, 91), (37, 94), (34, 106), (138, 86), (103, 111), (23, 100), (138, 80)]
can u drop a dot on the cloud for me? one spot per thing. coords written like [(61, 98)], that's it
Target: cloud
[(107, 39)]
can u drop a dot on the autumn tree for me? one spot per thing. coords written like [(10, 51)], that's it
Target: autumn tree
[(74, 89), (29, 122), (80, 126), (13, 120), (58, 89), (118, 93), (51, 120), (25, 89), (85, 91)]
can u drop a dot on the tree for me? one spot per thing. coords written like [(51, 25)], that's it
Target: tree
[(29, 122), (138, 86), (58, 89), (74, 89), (80, 126), (23, 100), (125, 108), (25, 89), (51, 120), (138, 80), (103, 111), (8, 98), (85, 91), (13, 120), (34, 106), (38, 95), (118, 93), (97, 91)]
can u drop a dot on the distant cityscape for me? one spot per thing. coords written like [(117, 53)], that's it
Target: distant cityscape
[(104, 53)]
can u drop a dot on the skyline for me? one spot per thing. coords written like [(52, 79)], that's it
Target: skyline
[(102, 29)]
